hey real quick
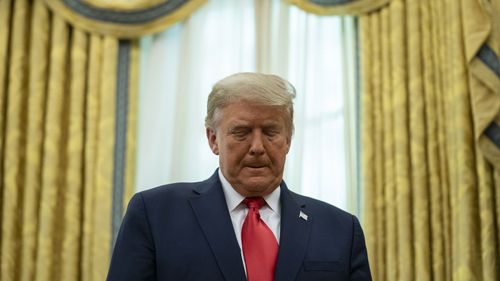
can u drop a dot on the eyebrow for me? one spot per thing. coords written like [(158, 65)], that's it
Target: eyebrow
[(246, 126), (240, 123), (272, 124)]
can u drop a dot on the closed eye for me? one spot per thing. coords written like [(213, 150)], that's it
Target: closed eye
[(240, 132), (272, 131)]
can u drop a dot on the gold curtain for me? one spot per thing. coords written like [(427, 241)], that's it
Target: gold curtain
[(432, 200), (58, 104)]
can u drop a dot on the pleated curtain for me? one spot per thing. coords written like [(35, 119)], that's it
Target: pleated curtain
[(57, 92), (430, 148), (67, 132), (430, 108)]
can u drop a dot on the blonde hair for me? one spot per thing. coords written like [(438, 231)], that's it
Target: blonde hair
[(265, 89)]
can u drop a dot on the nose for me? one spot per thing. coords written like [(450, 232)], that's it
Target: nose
[(257, 144)]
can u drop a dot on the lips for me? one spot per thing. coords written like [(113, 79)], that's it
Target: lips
[(256, 166), (257, 171)]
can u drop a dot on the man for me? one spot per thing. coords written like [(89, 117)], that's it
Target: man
[(242, 223)]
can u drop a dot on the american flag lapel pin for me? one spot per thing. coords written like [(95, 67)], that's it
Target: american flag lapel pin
[(302, 215)]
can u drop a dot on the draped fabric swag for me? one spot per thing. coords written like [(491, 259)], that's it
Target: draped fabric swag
[(338, 7), (124, 19), (431, 170)]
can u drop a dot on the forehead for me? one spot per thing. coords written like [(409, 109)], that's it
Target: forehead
[(244, 112)]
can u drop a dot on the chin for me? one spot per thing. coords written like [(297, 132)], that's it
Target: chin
[(260, 187)]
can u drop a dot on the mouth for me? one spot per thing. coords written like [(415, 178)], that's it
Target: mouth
[(256, 168)]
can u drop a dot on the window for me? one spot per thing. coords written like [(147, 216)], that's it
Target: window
[(316, 54)]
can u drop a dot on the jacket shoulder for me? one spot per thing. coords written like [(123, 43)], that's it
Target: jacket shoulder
[(179, 190)]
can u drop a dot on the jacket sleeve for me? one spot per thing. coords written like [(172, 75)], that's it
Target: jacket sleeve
[(134, 252), (360, 268)]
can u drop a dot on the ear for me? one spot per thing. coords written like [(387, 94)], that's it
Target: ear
[(212, 140), (288, 144)]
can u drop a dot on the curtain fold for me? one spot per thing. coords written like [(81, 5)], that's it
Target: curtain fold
[(431, 201), (130, 157), (59, 105), (37, 95)]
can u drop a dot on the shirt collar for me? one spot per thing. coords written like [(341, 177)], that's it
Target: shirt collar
[(233, 198)]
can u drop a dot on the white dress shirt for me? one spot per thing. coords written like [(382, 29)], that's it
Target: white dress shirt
[(269, 213)]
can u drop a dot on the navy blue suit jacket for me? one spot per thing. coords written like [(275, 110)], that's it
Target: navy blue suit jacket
[(183, 231)]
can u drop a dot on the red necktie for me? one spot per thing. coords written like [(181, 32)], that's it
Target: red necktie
[(260, 247)]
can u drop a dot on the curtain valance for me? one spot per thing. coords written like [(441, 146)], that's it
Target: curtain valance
[(339, 7), (123, 19), (135, 18)]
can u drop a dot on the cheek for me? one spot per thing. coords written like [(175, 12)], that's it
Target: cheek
[(279, 154), (236, 147), (235, 151)]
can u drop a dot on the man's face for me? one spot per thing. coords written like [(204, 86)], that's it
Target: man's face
[(252, 142)]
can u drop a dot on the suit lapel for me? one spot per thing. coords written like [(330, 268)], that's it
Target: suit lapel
[(294, 236), (210, 208)]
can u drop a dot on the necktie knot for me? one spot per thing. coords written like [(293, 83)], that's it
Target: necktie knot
[(254, 203)]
